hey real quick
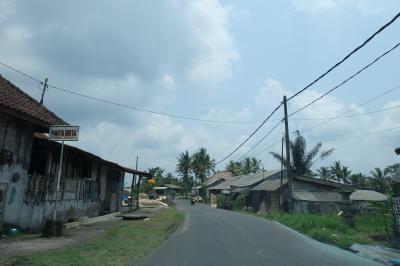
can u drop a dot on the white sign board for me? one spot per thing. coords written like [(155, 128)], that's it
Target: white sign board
[(64, 133)]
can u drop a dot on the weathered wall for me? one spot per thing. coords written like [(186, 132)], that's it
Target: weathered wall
[(316, 207), (16, 136)]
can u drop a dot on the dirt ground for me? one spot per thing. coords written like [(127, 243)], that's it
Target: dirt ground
[(73, 237)]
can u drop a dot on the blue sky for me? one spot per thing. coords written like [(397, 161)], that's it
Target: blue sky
[(222, 60)]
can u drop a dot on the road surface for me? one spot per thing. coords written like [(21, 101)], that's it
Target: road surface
[(219, 237)]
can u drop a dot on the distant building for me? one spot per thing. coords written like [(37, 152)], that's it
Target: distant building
[(90, 185)]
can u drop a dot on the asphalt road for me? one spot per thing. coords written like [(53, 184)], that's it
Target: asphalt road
[(218, 237)]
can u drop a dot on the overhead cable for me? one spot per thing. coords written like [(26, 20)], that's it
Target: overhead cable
[(348, 55)]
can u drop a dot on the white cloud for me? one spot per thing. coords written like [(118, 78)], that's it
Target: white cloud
[(361, 153), (168, 81), (271, 92), (209, 22)]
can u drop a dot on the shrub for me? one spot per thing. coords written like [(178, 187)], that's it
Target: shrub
[(239, 202), (224, 202)]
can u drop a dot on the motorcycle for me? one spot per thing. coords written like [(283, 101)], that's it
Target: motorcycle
[(192, 201)]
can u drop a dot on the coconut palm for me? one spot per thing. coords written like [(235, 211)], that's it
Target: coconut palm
[(379, 181), (301, 160), (324, 173), (183, 168), (202, 164), (360, 180), (341, 173), (234, 167)]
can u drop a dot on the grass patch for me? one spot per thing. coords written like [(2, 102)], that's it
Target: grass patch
[(332, 229), (125, 244)]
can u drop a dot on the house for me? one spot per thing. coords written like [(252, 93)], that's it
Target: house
[(361, 197), (218, 177), (310, 195), (89, 185)]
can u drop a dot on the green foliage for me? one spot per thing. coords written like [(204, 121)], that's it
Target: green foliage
[(249, 165), (224, 202), (340, 173), (202, 164), (301, 160), (239, 202), (333, 229), (124, 244), (183, 168)]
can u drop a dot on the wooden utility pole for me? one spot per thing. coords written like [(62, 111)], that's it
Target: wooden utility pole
[(133, 185), (45, 86), (288, 167), (280, 189)]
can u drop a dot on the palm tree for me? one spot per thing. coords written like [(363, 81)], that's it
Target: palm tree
[(360, 180), (324, 173), (256, 165), (379, 181), (183, 168), (202, 164), (341, 173), (302, 160), (391, 169), (234, 167)]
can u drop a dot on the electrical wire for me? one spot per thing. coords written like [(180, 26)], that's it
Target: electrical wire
[(251, 135), (20, 72), (347, 56), (356, 107), (346, 80), (261, 140), (365, 134)]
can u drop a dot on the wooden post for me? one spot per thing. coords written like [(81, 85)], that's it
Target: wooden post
[(288, 166), (58, 180), (45, 86)]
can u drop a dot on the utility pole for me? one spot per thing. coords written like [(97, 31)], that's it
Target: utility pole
[(45, 86), (280, 189), (133, 185), (288, 167)]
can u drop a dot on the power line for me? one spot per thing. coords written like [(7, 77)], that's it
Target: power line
[(262, 139), (269, 147), (20, 72), (251, 135), (125, 105), (347, 56), (365, 134), (346, 80), (358, 106)]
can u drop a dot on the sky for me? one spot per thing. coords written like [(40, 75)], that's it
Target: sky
[(218, 60)]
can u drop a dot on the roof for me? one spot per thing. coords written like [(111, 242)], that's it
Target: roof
[(172, 186), (270, 184), (367, 195), (159, 188), (249, 180), (18, 103), (226, 185), (218, 176), (318, 196), (320, 181), (42, 138)]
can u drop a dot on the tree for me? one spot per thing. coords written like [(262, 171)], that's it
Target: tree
[(234, 167), (340, 173), (250, 165), (156, 172), (360, 180), (324, 173), (301, 160), (183, 168), (202, 164), (379, 181), (391, 170)]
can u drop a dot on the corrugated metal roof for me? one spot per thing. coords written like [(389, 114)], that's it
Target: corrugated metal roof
[(367, 195), (318, 196), (226, 185), (249, 180), (172, 186), (270, 184), (217, 176)]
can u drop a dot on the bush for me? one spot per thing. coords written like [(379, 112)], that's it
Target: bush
[(239, 202), (224, 202)]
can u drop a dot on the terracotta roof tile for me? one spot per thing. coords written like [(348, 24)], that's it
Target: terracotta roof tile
[(14, 99)]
